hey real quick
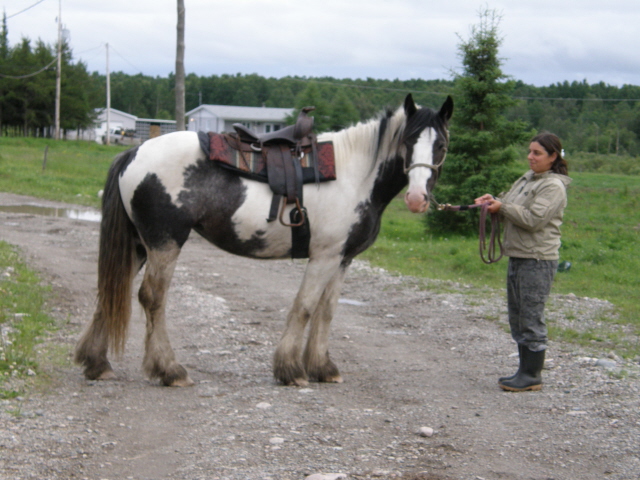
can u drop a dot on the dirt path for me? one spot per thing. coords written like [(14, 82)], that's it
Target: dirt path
[(411, 356)]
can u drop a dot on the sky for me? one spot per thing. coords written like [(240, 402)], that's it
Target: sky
[(543, 41)]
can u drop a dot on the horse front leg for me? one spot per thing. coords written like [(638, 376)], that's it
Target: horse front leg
[(287, 362), (316, 359), (159, 358)]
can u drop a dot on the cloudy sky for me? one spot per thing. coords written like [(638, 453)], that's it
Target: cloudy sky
[(544, 41)]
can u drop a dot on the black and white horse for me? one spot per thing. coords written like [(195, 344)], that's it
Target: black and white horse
[(157, 193)]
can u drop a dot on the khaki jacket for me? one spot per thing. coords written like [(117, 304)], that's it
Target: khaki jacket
[(532, 214)]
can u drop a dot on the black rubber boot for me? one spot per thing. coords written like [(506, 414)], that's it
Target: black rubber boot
[(529, 377), (502, 379)]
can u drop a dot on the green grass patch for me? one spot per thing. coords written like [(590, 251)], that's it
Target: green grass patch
[(601, 238), (74, 172), (22, 320), (607, 163), (404, 247)]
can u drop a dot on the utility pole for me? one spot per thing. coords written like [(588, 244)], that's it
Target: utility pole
[(180, 105), (108, 133), (58, 73)]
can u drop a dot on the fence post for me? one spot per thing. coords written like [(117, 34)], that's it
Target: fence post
[(44, 161)]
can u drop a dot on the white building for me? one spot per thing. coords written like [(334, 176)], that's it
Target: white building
[(117, 120), (145, 128), (220, 118)]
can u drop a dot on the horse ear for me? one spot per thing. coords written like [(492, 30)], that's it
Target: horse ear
[(409, 106), (446, 110)]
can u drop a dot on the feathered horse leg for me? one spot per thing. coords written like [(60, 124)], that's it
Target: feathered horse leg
[(287, 363), (316, 354)]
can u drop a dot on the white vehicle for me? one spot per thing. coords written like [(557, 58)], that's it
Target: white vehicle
[(120, 136)]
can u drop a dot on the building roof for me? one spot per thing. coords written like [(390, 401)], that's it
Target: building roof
[(103, 112), (229, 112), (154, 120)]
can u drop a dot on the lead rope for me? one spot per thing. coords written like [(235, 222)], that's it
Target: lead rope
[(495, 242)]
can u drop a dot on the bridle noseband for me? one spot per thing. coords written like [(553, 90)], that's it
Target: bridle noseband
[(435, 168)]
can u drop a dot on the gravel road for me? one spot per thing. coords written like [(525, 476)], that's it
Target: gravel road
[(420, 399)]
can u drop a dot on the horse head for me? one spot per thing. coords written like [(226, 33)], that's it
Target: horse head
[(426, 139)]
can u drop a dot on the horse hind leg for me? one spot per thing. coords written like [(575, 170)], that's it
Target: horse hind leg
[(109, 324), (91, 350), (159, 358), (317, 362)]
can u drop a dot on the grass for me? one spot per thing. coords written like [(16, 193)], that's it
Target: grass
[(601, 237), (404, 247), (23, 320), (74, 172)]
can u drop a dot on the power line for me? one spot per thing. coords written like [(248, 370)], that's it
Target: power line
[(122, 57), (581, 99), (19, 77), (22, 11)]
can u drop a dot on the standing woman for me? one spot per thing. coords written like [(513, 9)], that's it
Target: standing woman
[(532, 213)]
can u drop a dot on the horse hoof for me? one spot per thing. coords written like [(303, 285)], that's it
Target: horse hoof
[(106, 375), (183, 382), (334, 379), (299, 382)]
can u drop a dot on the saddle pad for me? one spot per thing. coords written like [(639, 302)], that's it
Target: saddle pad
[(249, 163)]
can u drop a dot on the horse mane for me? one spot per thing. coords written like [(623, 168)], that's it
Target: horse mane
[(377, 137)]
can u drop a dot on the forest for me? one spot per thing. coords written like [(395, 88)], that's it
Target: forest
[(591, 118)]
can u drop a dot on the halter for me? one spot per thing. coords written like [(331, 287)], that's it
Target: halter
[(435, 168), (426, 165)]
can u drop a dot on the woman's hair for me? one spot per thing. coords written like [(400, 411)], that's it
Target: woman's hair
[(551, 143)]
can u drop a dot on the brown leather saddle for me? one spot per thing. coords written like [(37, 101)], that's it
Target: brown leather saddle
[(282, 151), (285, 159)]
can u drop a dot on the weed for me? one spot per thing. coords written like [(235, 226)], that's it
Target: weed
[(23, 322)]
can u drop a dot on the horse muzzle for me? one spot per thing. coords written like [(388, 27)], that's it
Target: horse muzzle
[(417, 202)]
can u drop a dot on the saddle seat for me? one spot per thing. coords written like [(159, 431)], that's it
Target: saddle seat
[(285, 159), (291, 135)]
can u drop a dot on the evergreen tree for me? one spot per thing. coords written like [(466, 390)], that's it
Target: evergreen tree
[(482, 139), (312, 97), (343, 112)]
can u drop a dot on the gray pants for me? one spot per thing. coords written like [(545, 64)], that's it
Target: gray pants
[(528, 286)]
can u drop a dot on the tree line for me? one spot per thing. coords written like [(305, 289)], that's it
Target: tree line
[(596, 118), (28, 89)]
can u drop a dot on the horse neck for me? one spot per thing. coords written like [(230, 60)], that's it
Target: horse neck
[(364, 150), (388, 175)]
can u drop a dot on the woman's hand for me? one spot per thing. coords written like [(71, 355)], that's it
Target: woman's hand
[(494, 205), (486, 198)]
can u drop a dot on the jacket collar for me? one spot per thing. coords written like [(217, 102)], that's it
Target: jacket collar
[(531, 175)]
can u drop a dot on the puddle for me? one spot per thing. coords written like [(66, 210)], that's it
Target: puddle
[(88, 215), (347, 301)]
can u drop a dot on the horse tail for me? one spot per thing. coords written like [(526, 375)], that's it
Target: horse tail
[(118, 260)]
